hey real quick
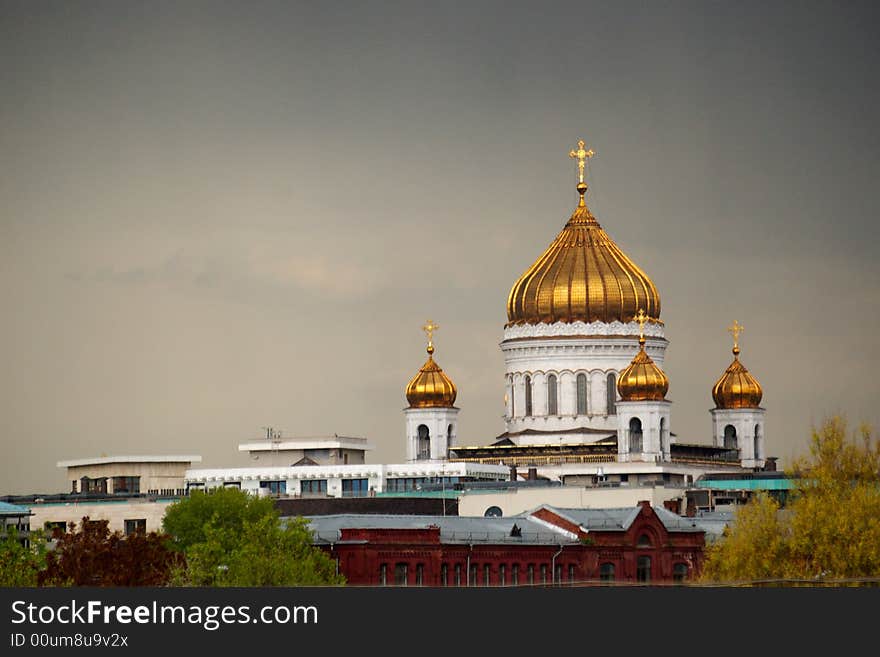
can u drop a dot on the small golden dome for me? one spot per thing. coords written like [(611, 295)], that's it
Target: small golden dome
[(737, 388), (582, 276), (431, 388), (642, 380)]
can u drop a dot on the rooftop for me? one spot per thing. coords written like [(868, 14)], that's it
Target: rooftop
[(104, 460)]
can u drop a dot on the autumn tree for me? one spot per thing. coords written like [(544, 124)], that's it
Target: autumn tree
[(20, 563), (90, 555), (231, 538), (829, 531)]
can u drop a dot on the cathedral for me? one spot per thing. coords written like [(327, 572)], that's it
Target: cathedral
[(585, 391)]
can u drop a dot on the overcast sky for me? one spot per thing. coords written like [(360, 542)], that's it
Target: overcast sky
[(224, 216)]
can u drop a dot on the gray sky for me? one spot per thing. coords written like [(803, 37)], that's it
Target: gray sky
[(222, 216)]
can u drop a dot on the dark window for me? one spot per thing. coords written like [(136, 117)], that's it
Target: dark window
[(611, 385), (531, 573), (502, 575), (232, 484), (552, 397), (635, 435), (514, 574), (543, 573), (643, 569), (458, 574), (400, 574), (355, 487), (275, 487), (581, 394), (313, 486), (383, 574), (512, 400), (424, 442), (444, 575), (487, 570), (528, 396), (472, 581), (729, 437), (606, 572), (757, 444), (644, 541), (137, 525), (571, 572), (679, 572), (557, 573), (420, 574), (88, 485)]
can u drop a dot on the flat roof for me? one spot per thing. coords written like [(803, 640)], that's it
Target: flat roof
[(103, 460), (317, 442)]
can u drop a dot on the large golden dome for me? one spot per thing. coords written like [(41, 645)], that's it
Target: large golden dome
[(737, 388), (431, 388), (642, 380), (582, 276)]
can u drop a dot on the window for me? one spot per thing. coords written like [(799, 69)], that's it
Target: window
[(472, 581), (487, 571), (355, 487), (611, 390), (571, 572), (424, 445), (531, 573), (126, 485), (383, 574), (757, 444), (557, 574), (528, 383), (275, 487), (644, 541), (643, 569), (458, 574), (664, 439), (606, 572), (514, 574), (137, 525), (232, 484), (400, 574), (502, 575), (581, 394), (313, 487), (635, 435), (679, 572), (444, 575), (420, 574), (543, 573), (51, 526), (88, 485), (512, 399), (552, 400), (729, 437)]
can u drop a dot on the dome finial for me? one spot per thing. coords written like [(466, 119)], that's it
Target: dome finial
[(641, 318), (735, 329), (582, 156), (429, 329)]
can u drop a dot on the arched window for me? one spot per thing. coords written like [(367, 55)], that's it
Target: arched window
[(606, 572), (512, 399), (611, 389), (581, 394), (644, 541), (552, 402), (664, 440), (679, 572), (528, 383), (757, 443), (643, 569), (424, 442), (730, 437), (635, 435)]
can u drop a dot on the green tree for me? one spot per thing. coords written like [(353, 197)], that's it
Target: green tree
[(830, 530), (234, 539), (20, 565)]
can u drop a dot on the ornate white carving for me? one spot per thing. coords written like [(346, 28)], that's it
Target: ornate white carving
[(559, 329)]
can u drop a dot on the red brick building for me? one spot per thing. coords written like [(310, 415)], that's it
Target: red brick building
[(546, 546)]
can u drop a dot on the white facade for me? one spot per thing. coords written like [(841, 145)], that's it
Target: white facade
[(747, 433), (576, 359), (643, 431), (430, 432), (375, 476)]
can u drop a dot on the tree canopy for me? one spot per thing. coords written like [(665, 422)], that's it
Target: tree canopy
[(830, 530), (20, 564), (231, 538)]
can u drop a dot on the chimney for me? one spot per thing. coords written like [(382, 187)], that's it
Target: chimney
[(770, 464), (513, 473), (533, 474)]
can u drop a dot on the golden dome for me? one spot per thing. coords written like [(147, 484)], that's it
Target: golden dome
[(737, 388), (431, 388), (582, 276), (642, 380)]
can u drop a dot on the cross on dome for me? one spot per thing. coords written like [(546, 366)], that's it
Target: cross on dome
[(735, 330), (429, 329)]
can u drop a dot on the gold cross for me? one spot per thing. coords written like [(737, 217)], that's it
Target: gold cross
[(642, 319), (429, 329), (582, 156), (735, 329)]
